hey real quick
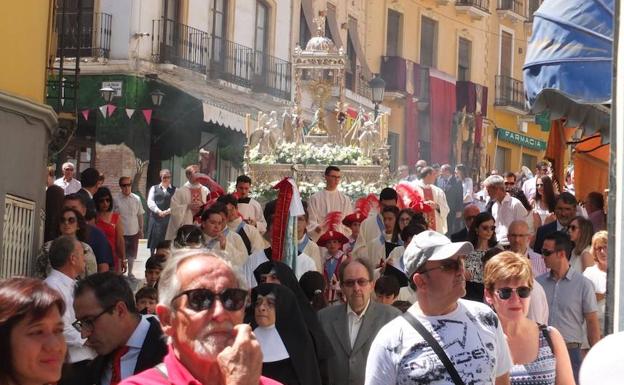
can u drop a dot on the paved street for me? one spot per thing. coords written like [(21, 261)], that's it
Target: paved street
[(139, 265)]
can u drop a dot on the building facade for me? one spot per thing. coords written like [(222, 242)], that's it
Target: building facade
[(26, 124)]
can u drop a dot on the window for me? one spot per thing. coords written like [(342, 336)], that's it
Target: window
[(262, 18), (219, 8), (503, 159), (351, 58), (393, 33), (529, 160), (428, 42), (17, 236), (463, 59), (506, 52), (304, 30)]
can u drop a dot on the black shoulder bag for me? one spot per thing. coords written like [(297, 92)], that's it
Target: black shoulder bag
[(435, 346)]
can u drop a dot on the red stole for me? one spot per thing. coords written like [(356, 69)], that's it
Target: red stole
[(430, 216)]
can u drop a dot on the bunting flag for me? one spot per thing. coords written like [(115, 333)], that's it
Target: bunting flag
[(130, 112), (148, 116), (85, 114), (103, 110), (110, 108)]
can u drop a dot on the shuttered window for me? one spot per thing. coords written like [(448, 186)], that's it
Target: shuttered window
[(464, 57), (428, 42), (505, 53), (393, 33)]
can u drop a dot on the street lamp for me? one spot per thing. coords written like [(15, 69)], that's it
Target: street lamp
[(157, 97), (378, 87), (107, 94)]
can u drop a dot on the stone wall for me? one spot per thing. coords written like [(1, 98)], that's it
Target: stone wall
[(115, 160)]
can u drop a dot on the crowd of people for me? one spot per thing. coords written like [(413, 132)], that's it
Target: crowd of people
[(429, 282)]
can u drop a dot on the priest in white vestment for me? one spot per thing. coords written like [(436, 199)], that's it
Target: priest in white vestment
[(220, 239), (249, 208), (373, 226), (186, 202), (326, 201), (435, 198)]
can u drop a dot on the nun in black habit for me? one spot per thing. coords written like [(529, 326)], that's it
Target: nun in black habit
[(280, 273), (279, 327)]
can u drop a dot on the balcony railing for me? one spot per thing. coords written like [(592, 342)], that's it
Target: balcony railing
[(91, 37), (509, 92), (533, 6), (514, 6), (483, 5), (191, 48)]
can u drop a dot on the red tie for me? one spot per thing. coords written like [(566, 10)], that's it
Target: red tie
[(116, 376)]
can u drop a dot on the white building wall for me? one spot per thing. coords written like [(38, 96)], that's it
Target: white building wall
[(283, 28), (199, 15), (245, 23)]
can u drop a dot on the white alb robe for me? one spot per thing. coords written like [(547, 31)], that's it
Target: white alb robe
[(370, 229), (324, 202), (181, 213), (253, 210), (255, 238), (440, 198)]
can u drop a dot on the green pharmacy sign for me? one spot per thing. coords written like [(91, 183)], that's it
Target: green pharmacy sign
[(521, 140)]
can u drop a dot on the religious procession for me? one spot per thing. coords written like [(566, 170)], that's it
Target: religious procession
[(311, 192)]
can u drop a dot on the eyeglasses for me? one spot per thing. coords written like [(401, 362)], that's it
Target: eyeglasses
[(572, 227), (89, 323), (504, 293), (510, 183), (203, 299), (538, 185), (485, 228), (361, 282), (516, 235), (69, 220), (125, 185), (166, 177), (547, 253), (448, 265)]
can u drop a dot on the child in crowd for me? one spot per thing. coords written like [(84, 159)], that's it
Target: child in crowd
[(333, 241), (305, 244), (379, 249), (153, 268), (146, 300), (387, 289), (353, 222)]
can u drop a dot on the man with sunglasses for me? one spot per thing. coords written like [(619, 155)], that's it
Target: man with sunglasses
[(468, 332), (571, 297), (131, 211), (565, 211), (469, 214), (201, 308), (351, 327), (125, 341)]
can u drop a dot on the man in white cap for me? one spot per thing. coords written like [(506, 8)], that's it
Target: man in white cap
[(468, 334)]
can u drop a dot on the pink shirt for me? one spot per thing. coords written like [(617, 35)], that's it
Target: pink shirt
[(177, 375)]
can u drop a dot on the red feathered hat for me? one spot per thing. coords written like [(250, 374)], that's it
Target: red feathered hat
[(410, 198), (331, 223), (362, 209), (352, 218)]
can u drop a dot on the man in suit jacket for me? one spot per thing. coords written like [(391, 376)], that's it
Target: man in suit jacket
[(470, 212), (352, 327), (454, 197), (565, 211), (126, 342)]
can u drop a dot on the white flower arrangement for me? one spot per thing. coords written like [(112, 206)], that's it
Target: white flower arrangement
[(354, 190), (308, 153)]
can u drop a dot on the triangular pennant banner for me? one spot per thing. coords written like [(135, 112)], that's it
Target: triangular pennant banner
[(130, 112), (85, 114), (103, 110), (148, 115), (110, 109)]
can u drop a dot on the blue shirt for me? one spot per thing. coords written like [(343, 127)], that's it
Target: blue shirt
[(101, 248)]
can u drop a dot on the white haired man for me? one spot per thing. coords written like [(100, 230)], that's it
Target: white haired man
[(67, 182), (505, 208), (201, 308)]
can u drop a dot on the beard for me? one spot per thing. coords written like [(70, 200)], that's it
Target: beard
[(213, 340)]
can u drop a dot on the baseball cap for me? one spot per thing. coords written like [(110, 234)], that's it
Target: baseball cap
[(431, 246)]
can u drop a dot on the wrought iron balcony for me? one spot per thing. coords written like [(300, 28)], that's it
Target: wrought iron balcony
[(194, 49), (513, 9), (509, 93), (533, 6), (475, 8), (83, 34)]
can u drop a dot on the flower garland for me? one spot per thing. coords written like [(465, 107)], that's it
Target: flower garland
[(264, 192), (308, 153)]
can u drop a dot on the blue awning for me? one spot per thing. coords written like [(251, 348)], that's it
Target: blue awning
[(568, 67)]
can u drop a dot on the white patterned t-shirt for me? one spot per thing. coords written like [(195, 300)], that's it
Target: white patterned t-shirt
[(471, 336)]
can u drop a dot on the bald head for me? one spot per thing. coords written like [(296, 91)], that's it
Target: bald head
[(519, 237), (470, 212)]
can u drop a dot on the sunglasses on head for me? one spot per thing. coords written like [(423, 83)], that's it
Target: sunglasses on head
[(203, 299), (447, 265), (70, 220), (504, 293), (351, 282)]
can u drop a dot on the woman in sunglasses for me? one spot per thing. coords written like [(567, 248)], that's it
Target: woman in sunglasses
[(581, 231), (109, 222), (279, 327), (545, 199), (538, 352), (71, 223), (32, 345), (482, 235)]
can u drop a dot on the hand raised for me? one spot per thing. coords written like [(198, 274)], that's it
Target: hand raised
[(241, 363)]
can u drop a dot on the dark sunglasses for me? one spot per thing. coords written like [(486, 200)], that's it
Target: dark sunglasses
[(204, 299), (448, 265), (539, 185), (70, 220), (510, 183), (504, 293), (547, 253), (572, 227), (493, 228), (361, 282)]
